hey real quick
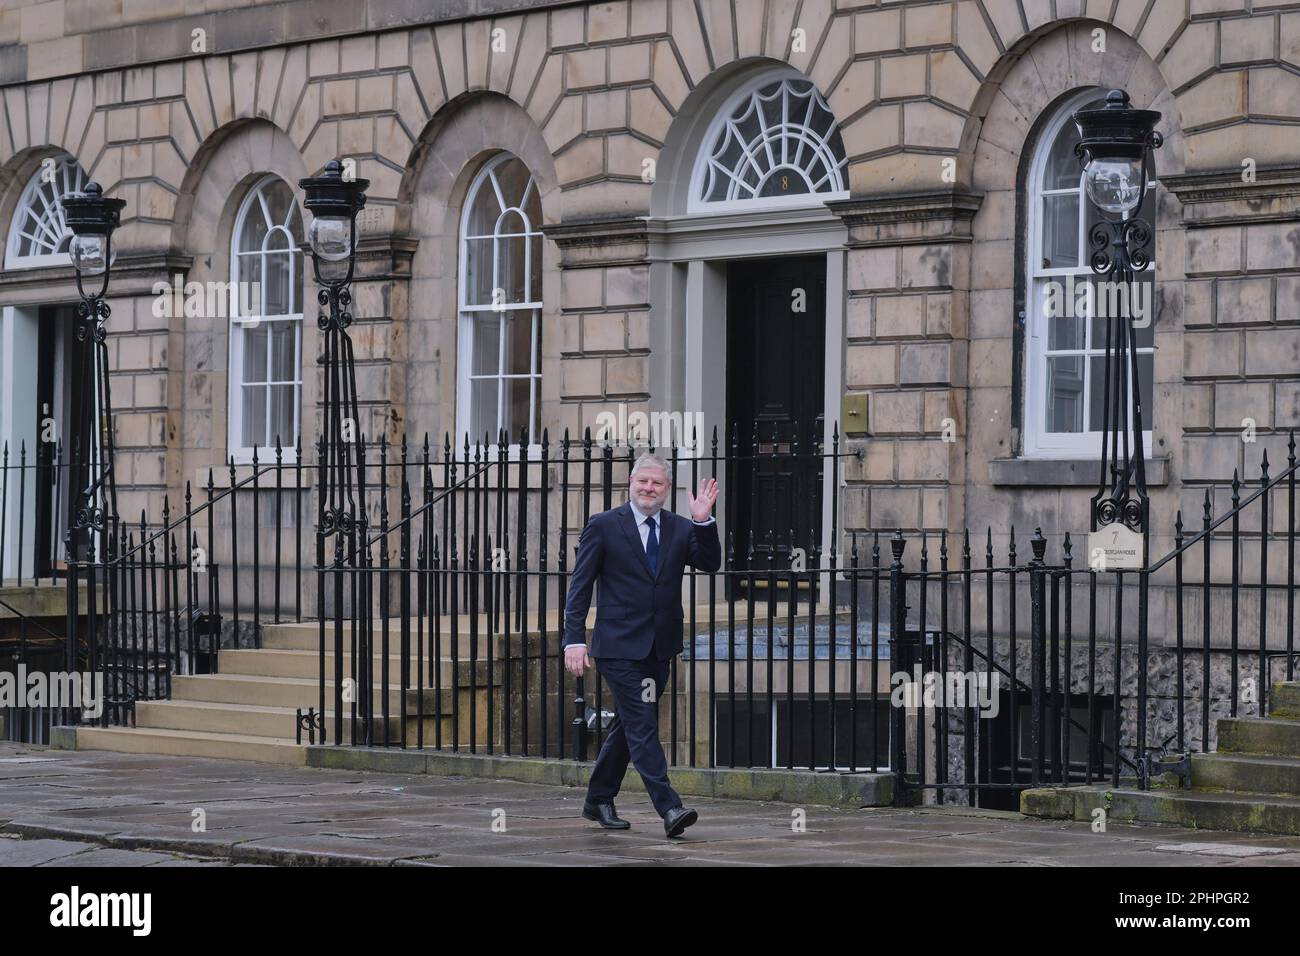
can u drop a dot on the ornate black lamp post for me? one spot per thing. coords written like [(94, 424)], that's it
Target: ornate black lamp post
[(92, 217), (1116, 144), (334, 202), (1115, 147)]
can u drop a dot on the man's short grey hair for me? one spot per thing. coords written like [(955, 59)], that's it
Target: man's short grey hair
[(651, 460)]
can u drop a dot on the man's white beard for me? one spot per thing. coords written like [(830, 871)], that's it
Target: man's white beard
[(650, 507)]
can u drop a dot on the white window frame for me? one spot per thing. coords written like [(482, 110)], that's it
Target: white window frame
[(838, 170), (70, 177), (467, 313), (1038, 442), (243, 454)]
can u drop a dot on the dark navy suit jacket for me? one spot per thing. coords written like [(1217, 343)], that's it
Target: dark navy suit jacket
[(637, 612)]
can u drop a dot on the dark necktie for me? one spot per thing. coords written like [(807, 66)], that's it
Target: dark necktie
[(652, 547)]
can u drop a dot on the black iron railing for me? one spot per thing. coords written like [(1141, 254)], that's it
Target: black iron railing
[(163, 595), (1026, 666), (34, 498), (27, 646), (1104, 671), (971, 667), (464, 589)]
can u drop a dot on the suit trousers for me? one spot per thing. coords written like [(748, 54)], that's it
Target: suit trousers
[(634, 732)]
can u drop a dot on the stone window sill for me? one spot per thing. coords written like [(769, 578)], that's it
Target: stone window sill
[(1063, 472)]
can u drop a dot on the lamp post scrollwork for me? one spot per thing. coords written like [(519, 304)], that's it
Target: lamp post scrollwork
[(334, 202), (92, 217), (1115, 148)]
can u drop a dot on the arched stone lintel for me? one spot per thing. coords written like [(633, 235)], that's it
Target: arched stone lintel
[(461, 134), (226, 162), (1042, 67)]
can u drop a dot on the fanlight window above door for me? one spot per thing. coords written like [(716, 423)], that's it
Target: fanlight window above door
[(776, 143), (39, 233)]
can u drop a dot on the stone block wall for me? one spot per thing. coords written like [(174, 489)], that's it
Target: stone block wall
[(935, 101), (907, 348)]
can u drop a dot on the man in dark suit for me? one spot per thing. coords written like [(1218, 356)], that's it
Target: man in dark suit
[(637, 552)]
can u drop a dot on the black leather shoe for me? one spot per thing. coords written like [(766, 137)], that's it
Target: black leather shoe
[(678, 819), (605, 815)]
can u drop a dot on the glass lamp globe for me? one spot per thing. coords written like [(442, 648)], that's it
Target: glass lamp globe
[(87, 253), (330, 237), (1115, 185)]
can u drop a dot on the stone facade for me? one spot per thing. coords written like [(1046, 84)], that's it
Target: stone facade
[(177, 106)]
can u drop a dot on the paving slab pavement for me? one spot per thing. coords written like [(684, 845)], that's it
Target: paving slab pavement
[(16, 851), (101, 809)]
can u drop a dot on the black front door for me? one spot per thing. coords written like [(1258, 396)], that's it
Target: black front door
[(776, 334)]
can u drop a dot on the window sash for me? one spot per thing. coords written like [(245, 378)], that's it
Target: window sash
[(245, 382), (1065, 442), (474, 259), (1037, 441), (467, 425), (243, 379)]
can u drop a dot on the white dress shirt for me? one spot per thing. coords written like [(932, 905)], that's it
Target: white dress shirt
[(643, 527)]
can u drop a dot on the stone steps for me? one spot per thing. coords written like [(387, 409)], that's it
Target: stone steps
[(306, 635), (191, 743), (1251, 773), (1251, 784), (275, 662), (277, 691), (252, 717), (1260, 735), (246, 710), (249, 720), (1285, 700), (1201, 810)]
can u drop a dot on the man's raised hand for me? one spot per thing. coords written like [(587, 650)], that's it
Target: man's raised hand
[(702, 504)]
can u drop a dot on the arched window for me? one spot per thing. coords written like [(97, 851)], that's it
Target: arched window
[(1067, 307), (499, 384), (266, 322), (39, 234), (774, 143)]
